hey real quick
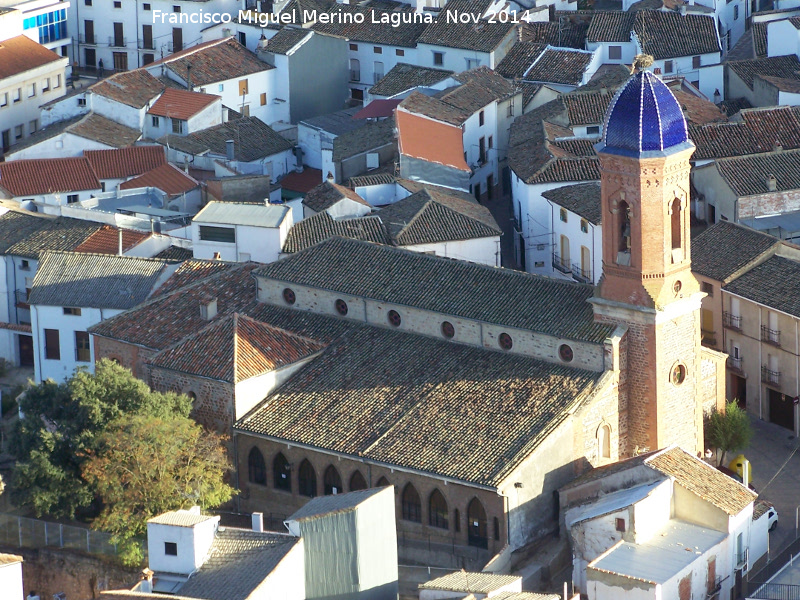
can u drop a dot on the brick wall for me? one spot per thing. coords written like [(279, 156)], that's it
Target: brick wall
[(129, 356), (279, 504)]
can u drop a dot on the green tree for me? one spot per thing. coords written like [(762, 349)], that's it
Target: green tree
[(729, 430), (61, 426), (146, 465)]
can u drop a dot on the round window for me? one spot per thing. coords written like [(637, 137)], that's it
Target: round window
[(341, 307), (505, 341), (565, 353), (288, 296), (448, 330), (394, 318), (676, 287), (678, 374)]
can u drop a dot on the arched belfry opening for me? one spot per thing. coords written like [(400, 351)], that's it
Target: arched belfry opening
[(677, 224)]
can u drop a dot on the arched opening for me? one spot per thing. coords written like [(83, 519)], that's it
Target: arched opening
[(412, 507), (604, 441), (676, 224), (437, 510), (357, 482), (624, 234), (281, 473), (332, 481), (476, 524), (192, 396), (256, 467), (307, 479), (383, 482)]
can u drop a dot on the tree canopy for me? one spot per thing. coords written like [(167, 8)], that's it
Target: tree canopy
[(730, 430)]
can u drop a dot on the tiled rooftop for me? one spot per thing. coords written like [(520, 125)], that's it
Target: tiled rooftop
[(27, 234), (786, 67), (403, 77), (135, 88), (40, 176), (168, 178), (773, 283), (328, 193), (470, 583), (121, 163), (374, 135), (556, 65), (19, 54), (335, 503), (567, 31), (742, 246), (519, 59), (286, 39), (483, 36), (106, 240), (405, 34), (583, 199), (747, 175), (214, 61), (429, 140), (181, 104), (180, 518)]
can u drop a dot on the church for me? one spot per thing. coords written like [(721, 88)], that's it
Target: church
[(476, 391)]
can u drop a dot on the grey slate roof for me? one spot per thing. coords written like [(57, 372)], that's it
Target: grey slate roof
[(747, 175), (773, 283), (239, 213), (252, 140), (403, 77), (23, 234), (725, 248), (323, 505), (286, 39), (94, 280), (239, 562), (464, 289), (409, 400), (373, 135), (583, 199)]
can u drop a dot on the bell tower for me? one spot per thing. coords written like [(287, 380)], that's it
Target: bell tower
[(647, 284)]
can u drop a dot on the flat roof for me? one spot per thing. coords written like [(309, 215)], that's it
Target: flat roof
[(662, 557), (611, 503), (153, 212), (789, 222), (234, 213)]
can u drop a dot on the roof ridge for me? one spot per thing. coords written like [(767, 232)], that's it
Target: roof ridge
[(235, 348), (89, 254)]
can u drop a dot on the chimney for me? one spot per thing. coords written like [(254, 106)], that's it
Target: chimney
[(262, 43), (717, 97), (229, 152), (208, 307), (189, 77), (258, 521), (777, 146), (683, 9), (772, 183), (147, 581), (329, 177), (217, 256)]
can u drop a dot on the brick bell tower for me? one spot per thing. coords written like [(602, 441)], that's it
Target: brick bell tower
[(647, 283)]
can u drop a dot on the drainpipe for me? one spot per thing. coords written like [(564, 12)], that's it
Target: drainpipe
[(760, 365)]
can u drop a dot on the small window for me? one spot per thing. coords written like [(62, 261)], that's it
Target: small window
[(735, 12), (394, 318), (593, 130), (256, 467), (146, 6), (490, 141), (353, 47), (615, 52), (563, 215), (46, 86), (505, 341), (341, 307), (18, 95), (52, 349), (438, 58), (668, 66), (281, 471), (399, 52), (25, 265), (117, 4), (243, 38), (33, 126), (170, 548), (3, 99), (18, 130), (156, 121), (176, 8), (584, 226), (620, 525), (377, 50), (58, 82), (263, 99), (695, 62), (82, 351), (72, 198), (75, 312), (217, 234), (678, 374), (480, 118), (448, 330), (32, 90), (707, 288), (411, 504), (87, 2), (288, 296), (565, 353), (510, 112), (221, 87), (178, 126), (242, 87), (81, 101)]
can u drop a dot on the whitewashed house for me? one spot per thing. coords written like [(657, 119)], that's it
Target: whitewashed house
[(11, 576), (48, 183), (124, 97), (181, 112), (240, 232), (73, 291), (30, 75)]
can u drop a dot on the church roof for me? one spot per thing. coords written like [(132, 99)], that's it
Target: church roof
[(741, 245), (644, 116)]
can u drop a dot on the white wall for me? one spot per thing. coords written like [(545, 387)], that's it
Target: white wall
[(262, 244), (287, 580), (11, 581), (485, 251), (366, 56), (592, 239), (119, 112), (628, 49), (381, 195), (454, 59), (782, 38), (58, 146), (251, 391), (193, 546)]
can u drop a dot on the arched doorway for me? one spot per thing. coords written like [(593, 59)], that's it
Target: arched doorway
[(476, 524)]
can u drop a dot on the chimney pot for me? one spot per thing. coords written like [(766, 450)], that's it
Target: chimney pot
[(208, 309), (772, 183)]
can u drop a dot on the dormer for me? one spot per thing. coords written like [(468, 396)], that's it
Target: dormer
[(178, 541)]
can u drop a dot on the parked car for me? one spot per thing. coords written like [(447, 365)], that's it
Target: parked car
[(772, 515)]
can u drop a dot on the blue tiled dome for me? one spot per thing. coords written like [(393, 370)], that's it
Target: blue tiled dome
[(644, 117)]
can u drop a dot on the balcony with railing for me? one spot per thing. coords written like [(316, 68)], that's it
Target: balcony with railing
[(735, 364), (732, 321), (770, 377), (770, 336), (561, 264), (146, 44), (173, 47), (355, 75), (116, 41), (87, 39), (582, 275), (709, 338)]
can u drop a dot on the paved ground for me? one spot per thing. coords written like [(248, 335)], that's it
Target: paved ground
[(775, 459)]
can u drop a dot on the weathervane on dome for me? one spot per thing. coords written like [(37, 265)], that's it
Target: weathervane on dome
[(640, 62)]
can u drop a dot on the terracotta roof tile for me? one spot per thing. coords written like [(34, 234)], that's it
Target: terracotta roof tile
[(703, 480), (587, 108), (98, 128), (747, 175), (47, 175), (742, 246), (320, 227), (434, 108), (404, 34), (121, 163), (556, 65), (371, 137), (568, 31), (327, 193), (234, 348), (773, 283), (403, 77), (519, 59), (175, 253), (181, 104), (583, 199), (10, 559), (191, 271), (302, 182), (431, 141), (483, 36), (461, 581), (215, 61), (106, 240), (19, 54), (759, 39), (134, 88), (168, 178), (786, 67), (286, 39)]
